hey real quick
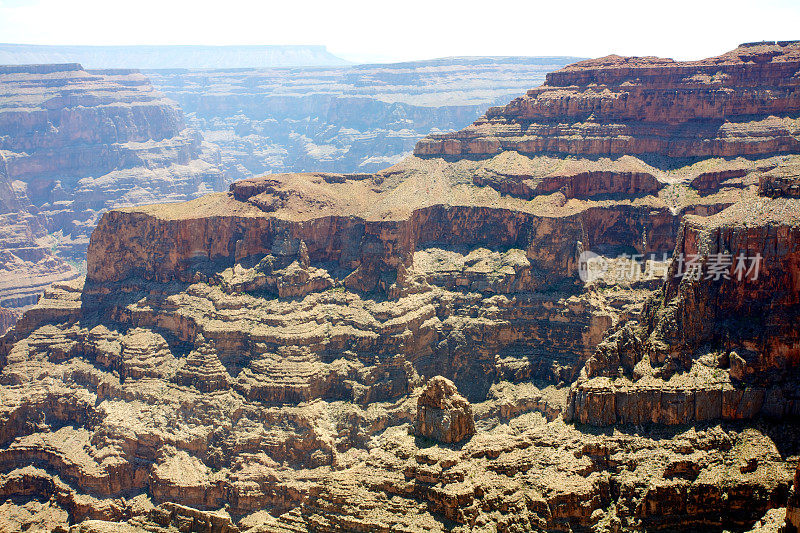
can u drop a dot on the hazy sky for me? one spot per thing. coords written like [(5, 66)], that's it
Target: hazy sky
[(412, 29)]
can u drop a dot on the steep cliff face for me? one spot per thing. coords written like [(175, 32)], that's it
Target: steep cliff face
[(74, 144), (407, 350), (621, 105), (722, 343), (347, 119), (378, 220), (767, 299), (7, 319), (27, 264)]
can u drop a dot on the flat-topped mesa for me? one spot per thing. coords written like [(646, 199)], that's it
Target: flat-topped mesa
[(744, 102), (270, 217), (751, 305), (371, 224)]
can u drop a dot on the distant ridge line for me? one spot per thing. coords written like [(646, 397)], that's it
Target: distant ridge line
[(38, 68), (152, 57), (467, 60)]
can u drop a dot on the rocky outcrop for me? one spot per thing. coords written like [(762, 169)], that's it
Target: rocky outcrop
[(203, 370), (792, 520), (73, 144), (721, 342), (442, 413), (782, 181), (648, 105), (27, 264), (578, 185), (7, 319), (759, 285)]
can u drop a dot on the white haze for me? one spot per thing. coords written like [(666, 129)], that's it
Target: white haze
[(412, 29)]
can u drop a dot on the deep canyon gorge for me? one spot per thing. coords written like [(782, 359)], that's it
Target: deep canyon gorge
[(76, 142), (411, 346)]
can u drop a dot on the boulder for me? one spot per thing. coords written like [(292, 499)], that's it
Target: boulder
[(442, 413)]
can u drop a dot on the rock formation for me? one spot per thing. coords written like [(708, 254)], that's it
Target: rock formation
[(360, 118), (792, 521), (261, 359), (73, 144), (624, 105), (442, 413), (7, 319), (120, 143), (27, 264), (712, 348)]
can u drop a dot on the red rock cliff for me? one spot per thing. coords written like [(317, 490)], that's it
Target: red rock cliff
[(743, 102)]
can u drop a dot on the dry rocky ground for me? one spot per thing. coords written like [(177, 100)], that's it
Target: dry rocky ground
[(413, 350)]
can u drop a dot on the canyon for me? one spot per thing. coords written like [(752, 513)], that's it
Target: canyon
[(360, 118), (417, 348), (74, 143)]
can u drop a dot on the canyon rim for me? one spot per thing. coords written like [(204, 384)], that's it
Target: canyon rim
[(413, 349)]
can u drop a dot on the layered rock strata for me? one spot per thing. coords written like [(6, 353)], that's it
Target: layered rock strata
[(27, 264), (358, 118), (637, 105), (720, 344), (262, 359), (73, 144)]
